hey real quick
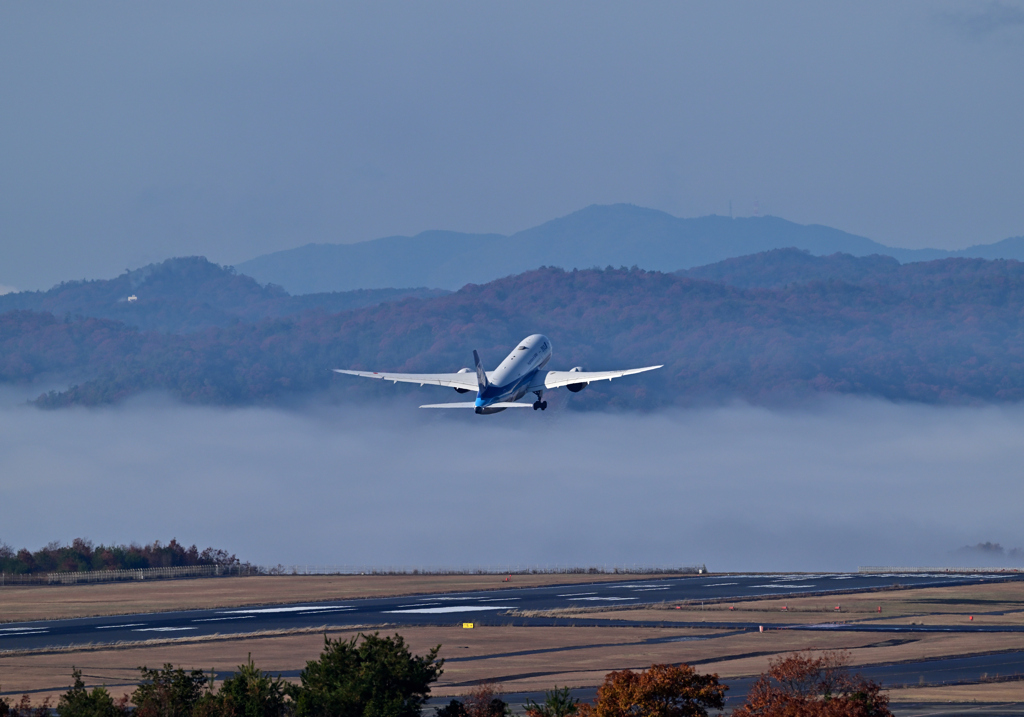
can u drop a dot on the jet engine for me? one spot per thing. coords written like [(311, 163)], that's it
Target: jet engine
[(463, 390), (576, 387)]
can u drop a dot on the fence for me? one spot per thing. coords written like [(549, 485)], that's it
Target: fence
[(969, 571), (102, 576), (196, 571)]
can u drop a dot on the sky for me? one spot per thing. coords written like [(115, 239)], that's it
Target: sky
[(832, 487), (132, 132)]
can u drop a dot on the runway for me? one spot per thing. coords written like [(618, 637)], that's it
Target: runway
[(485, 607)]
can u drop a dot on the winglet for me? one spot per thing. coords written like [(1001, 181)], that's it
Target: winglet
[(481, 375)]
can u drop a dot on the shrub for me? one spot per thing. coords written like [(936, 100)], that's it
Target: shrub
[(377, 677)]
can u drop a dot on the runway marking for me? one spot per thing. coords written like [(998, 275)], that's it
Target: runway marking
[(215, 619), (163, 629), (263, 610), (324, 612), (453, 608), (497, 599), (719, 585), (603, 598), (636, 585), (22, 631), (419, 604), (111, 627), (571, 594), (783, 587), (647, 590)]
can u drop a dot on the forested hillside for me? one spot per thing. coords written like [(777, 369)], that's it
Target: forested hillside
[(190, 294), (781, 267), (943, 331)]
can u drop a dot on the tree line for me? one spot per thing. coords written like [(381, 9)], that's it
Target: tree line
[(374, 676), (81, 556)]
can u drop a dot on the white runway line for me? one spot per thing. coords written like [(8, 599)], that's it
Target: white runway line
[(218, 619), (782, 587), (266, 610), (453, 608)]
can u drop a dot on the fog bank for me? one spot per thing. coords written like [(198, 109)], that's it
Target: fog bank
[(843, 484)]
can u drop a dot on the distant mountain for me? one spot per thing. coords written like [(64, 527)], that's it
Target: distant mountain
[(1012, 248), (779, 268), (190, 294), (598, 236), (945, 331)]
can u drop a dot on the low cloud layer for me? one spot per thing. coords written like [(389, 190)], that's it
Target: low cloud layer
[(844, 484)]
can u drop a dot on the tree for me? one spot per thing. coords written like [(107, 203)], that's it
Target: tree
[(557, 703), (24, 708), (484, 701), (80, 702), (660, 691), (377, 677), (250, 692), (169, 692), (455, 708), (801, 685)]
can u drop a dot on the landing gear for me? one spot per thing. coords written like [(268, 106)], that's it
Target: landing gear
[(539, 403)]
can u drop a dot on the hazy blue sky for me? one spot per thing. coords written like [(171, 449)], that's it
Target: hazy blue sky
[(130, 132), (844, 484)]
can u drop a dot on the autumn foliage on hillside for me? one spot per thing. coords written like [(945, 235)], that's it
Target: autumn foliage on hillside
[(804, 685), (942, 331), (659, 691)]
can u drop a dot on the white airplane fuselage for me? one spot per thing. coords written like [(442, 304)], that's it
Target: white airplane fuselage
[(514, 376), (523, 371)]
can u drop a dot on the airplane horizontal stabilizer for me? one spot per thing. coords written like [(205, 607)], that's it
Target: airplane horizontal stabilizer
[(471, 404)]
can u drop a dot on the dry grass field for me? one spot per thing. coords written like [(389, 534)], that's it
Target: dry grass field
[(988, 692), (536, 658), (49, 602), (999, 603)]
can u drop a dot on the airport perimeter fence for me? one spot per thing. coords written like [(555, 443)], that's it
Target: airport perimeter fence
[(244, 569), (104, 576), (968, 571)]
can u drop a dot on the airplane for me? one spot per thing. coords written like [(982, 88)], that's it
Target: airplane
[(519, 374)]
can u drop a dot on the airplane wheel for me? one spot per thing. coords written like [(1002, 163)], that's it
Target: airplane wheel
[(543, 405), (536, 405)]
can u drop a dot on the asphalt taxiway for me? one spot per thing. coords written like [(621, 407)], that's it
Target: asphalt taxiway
[(484, 607)]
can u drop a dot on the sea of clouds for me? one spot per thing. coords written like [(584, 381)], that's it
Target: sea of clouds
[(830, 487)]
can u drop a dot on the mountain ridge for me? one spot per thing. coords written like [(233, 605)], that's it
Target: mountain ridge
[(945, 331), (595, 236), (187, 294)]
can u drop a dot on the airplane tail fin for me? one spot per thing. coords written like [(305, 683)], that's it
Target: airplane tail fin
[(481, 375)]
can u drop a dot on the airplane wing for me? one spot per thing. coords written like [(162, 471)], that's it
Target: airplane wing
[(451, 380), (472, 404), (554, 379)]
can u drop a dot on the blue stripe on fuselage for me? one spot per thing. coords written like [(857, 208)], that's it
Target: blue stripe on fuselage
[(510, 392)]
